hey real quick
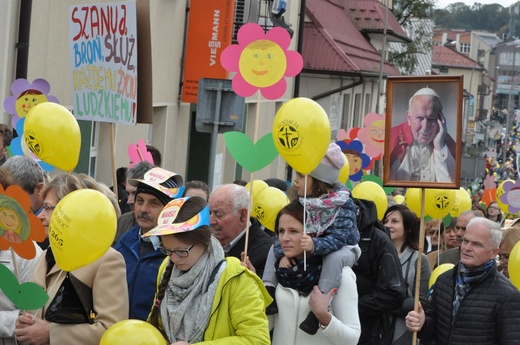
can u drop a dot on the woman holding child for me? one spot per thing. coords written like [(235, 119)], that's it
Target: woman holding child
[(297, 292), (331, 231)]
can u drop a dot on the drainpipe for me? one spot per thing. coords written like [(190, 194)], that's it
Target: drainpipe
[(299, 49), (24, 30)]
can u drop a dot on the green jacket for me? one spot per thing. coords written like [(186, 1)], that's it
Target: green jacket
[(238, 311)]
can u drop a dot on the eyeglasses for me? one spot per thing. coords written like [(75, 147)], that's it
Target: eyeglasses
[(463, 228), (182, 253), (48, 208), (503, 256), (493, 208), (433, 232)]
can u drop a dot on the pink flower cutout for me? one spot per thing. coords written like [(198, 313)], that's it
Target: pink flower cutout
[(138, 153), (373, 135), (261, 61), (25, 96), (489, 182)]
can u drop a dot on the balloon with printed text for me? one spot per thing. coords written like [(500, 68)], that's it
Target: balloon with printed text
[(52, 134), (301, 133), (82, 228)]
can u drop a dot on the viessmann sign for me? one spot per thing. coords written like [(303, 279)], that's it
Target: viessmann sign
[(210, 30)]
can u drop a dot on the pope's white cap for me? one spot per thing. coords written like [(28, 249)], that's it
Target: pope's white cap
[(426, 91)]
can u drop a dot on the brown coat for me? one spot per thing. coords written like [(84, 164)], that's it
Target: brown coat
[(107, 279)]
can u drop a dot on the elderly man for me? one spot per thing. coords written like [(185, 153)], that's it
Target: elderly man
[(229, 206), (29, 175), (153, 192), (472, 303), (127, 220), (426, 156), (452, 256)]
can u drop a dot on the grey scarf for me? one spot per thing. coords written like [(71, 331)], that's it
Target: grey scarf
[(188, 299)]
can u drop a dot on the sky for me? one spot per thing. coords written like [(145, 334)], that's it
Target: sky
[(504, 3)]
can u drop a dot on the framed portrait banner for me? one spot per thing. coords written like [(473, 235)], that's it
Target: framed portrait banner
[(423, 132)]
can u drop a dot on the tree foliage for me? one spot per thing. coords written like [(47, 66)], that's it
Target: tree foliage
[(491, 18)]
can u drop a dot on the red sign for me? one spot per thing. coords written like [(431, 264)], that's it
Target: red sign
[(210, 30)]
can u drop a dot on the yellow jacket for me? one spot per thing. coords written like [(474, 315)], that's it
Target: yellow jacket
[(238, 311)]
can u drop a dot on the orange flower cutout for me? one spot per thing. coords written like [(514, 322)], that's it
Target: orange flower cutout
[(18, 226)]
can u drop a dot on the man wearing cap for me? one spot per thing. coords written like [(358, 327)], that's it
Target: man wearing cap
[(142, 258), (229, 206), (127, 220), (421, 148)]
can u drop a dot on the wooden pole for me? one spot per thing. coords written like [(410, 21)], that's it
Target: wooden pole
[(113, 157), (255, 138), (419, 261)]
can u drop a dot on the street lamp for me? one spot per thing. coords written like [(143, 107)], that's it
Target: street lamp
[(505, 147)]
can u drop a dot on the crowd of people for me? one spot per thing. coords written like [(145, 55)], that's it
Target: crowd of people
[(197, 266)]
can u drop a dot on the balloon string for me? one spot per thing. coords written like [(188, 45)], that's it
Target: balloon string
[(305, 221), (48, 292)]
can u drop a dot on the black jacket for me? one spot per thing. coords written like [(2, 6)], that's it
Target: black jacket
[(488, 314), (257, 249), (379, 278)]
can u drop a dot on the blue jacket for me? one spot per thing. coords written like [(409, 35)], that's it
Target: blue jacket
[(342, 232), (141, 273)]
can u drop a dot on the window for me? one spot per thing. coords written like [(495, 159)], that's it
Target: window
[(465, 48), (346, 118)]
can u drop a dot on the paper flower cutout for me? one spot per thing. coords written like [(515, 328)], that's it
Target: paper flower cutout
[(18, 147), (25, 96), (373, 135), (511, 195), (139, 153), (342, 135), (489, 182), (18, 226), (358, 160), (261, 61)]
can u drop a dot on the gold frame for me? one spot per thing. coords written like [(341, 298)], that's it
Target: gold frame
[(398, 93)]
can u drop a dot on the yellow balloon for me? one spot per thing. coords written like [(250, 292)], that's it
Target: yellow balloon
[(399, 199), (266, 207), (370, 190), (258, 186), (439, 202), (437, 272), (513, 265), (82, 228), (344, 173), (132, 332), (462, 202), (52, 134), (499, 192), (301, 133), (412, 199)]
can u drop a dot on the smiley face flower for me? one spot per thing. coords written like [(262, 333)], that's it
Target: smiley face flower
[(261, 61), (373, 135), (25, 96)]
